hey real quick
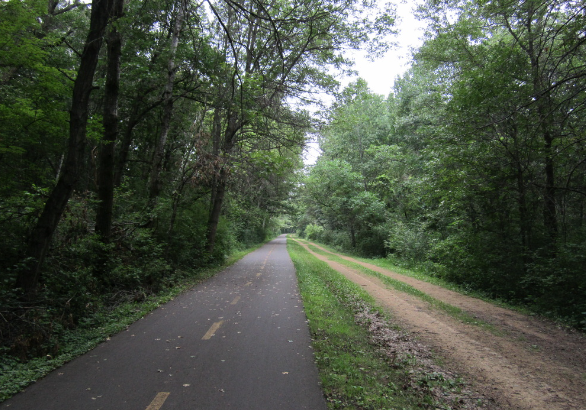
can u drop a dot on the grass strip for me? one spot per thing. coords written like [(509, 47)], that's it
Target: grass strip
[(15, 375), (452, 311), (354, 373), (429, 278)]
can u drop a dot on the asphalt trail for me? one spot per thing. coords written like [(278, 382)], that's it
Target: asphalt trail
[(238, 341)]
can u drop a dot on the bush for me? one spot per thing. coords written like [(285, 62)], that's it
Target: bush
[(411, 242), (313, 231)]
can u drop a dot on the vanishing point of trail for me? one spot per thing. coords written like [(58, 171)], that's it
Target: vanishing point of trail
[(237, 341)]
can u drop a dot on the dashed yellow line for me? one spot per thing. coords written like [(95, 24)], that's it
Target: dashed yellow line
[(248, 284), (158, 401), (258, 274), (236, 299), (212, 330)]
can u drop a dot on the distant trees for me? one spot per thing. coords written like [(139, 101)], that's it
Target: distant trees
[(273, 52), (484, 152)]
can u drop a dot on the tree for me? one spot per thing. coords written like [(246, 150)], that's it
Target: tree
[(78, 115), (275, 52), (110, 122), (511, 148), (337, 196)]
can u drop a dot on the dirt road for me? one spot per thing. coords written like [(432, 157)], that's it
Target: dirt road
[(524, 363)]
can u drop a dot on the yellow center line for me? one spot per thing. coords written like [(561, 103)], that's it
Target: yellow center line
[(158, 401), (258, 274), (248, 284), (236, 299), (212, 330)]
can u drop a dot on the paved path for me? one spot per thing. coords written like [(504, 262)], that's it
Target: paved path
[(238, 341)]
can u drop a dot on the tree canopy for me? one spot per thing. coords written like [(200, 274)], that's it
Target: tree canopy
[(478, 155), (140, 140)]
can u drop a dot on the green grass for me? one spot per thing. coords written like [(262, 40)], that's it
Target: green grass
[(426, 277), (354, 374), (16, 375), (451, 310)]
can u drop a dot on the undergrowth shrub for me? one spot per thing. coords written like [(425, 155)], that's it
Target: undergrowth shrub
[(313, 231)]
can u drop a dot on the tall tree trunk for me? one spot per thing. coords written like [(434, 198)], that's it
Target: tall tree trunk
[(136, 116), (216, 209), (220, 181), (549, 196), (352, 235), (157, 165), (42, 233), (216, 140), (543, 103), (524, 222), (124, 147), (106, 160), (124, 150)]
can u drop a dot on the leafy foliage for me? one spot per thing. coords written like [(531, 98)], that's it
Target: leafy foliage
[(118, 163), (475, 162)]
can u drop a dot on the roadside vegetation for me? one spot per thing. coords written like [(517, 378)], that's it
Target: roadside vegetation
[(141, 142), (420, 273), (65, 344), (473, 168), (403, 287), (359, 368)]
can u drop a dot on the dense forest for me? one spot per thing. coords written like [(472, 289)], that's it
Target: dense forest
[(474, 167), (141, 140)]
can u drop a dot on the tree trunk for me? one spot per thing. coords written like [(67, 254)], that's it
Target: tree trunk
[(216, 140), (549, 196), (40, 237), (155, 183), (544, 116), (124, 150), (106, 160), (352, 235), (220, 181), (216, 210)]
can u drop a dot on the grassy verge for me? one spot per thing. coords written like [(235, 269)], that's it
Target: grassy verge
[(354, 373), (451, 310), (425, 277), (16, 375)]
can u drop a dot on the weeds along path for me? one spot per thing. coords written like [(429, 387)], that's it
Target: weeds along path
[(521, 362)]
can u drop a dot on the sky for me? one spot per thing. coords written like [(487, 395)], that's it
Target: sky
[(381, 73)]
